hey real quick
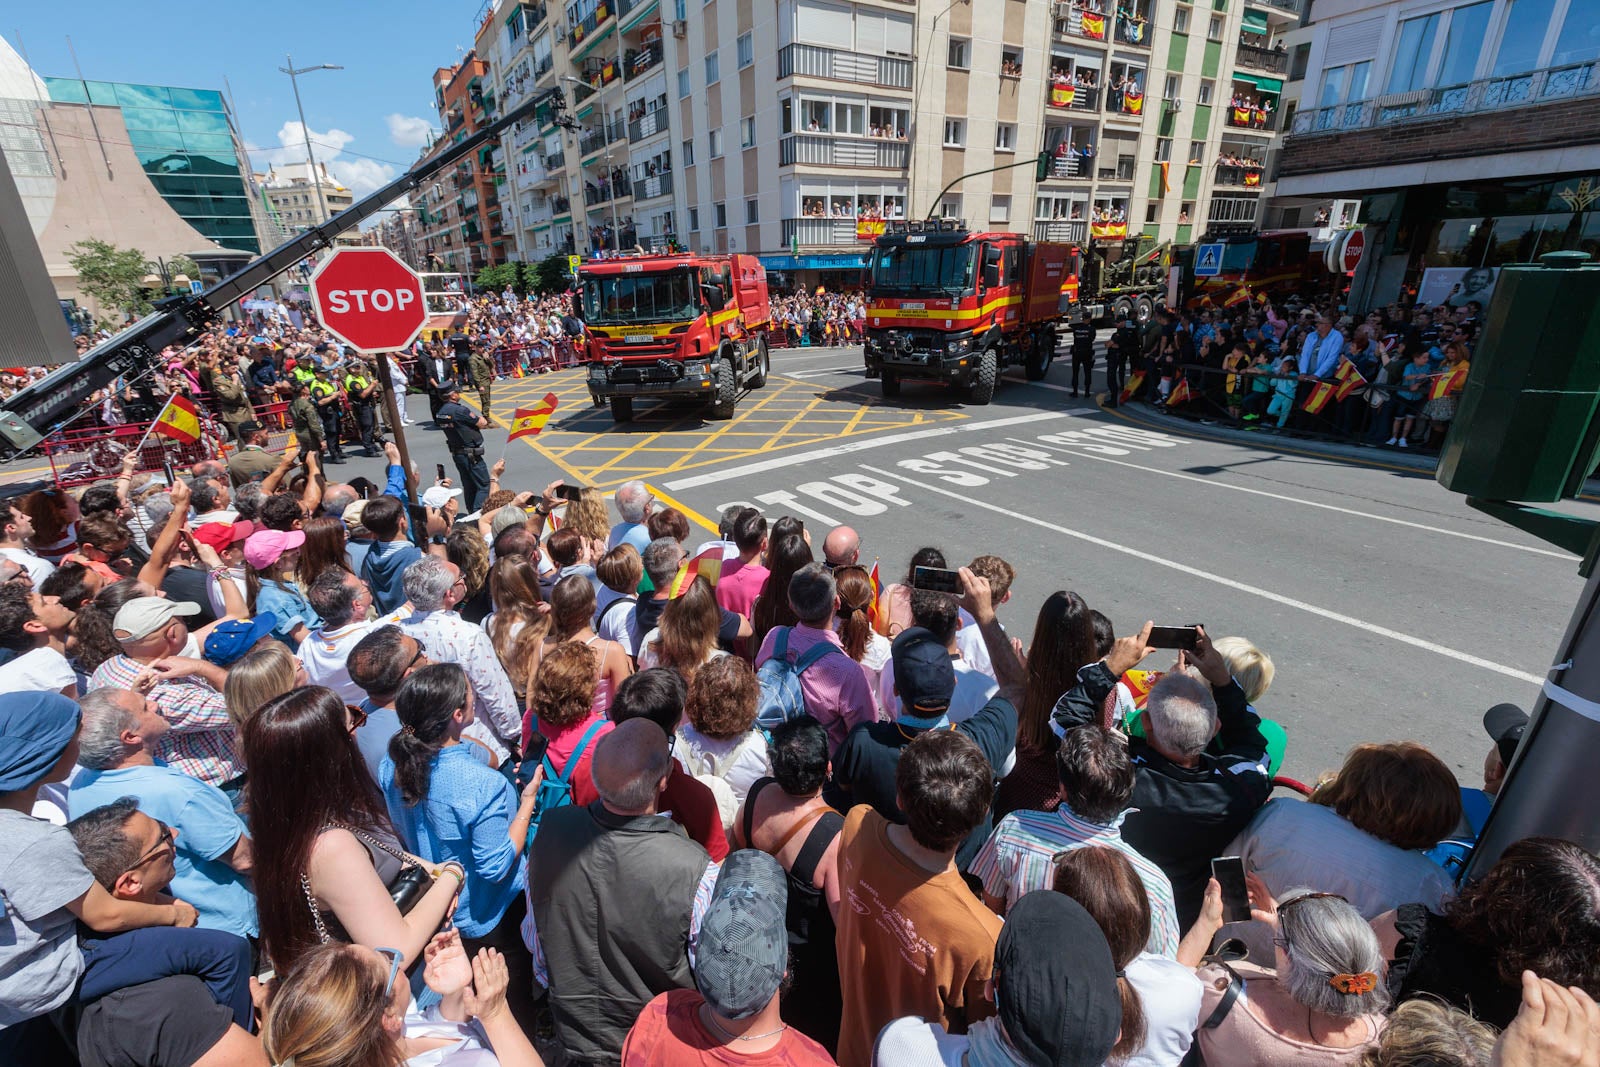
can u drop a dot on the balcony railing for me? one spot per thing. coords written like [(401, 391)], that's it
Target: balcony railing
[(817, 62), (560, 205), (588, 24), (1268, 59), (1294, 7), (1071, 166), (1061, 230), (555, 161), (653, 186), (1067, 96), (830, 151), (639, 60), (1239, 176), (1073, 19), (592, 141), (594, 194), (625, 7), (1473, 98), (1252, 118), (827, 231), (1129, 102), (649, 125)]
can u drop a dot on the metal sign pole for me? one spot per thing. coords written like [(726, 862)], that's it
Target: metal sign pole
[(391, 409)]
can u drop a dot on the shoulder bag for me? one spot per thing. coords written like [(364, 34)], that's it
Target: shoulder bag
[(406, 888)]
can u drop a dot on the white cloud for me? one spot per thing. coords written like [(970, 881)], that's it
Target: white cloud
[(361, 176), (409, 131)]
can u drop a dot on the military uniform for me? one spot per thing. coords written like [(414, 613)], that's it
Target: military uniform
[(1083, 355), (307, 423), (481, 367), (326, 398), (233, 402), (364, 408)]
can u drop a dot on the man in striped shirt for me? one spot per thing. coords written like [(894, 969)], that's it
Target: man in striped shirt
[(1096, 781)]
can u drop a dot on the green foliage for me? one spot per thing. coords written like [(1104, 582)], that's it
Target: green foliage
[(182, 264), (553, 275), (113, 277), (497, 277)]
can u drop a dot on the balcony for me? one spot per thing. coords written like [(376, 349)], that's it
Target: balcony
[(559, 206), (637, 61), (1071, 167), (825, 231), (831, 151), (1128, 103), (627, 7), (1292, 7), (650, 124), (533, 15), (1074, 19), (592, 141), (586, 26), (1272, 60), (1252, 118), (555, 161), (1243, 175), (1061, 230), (1066, 96), (1488, 96), (653, 186), (813, 61)]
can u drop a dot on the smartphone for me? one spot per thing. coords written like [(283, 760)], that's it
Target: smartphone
[(573, 493), (1229, 873), (172, 477), (532, 756), (936, 579), (439, 469), (1184, 637)]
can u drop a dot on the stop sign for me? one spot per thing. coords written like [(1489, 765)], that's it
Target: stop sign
[(1354, 246), (369, 299)]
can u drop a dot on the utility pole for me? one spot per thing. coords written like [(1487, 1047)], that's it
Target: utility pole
[(322, 201)]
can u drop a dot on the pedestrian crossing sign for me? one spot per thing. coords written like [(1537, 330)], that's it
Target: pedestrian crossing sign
[(1208, 261)]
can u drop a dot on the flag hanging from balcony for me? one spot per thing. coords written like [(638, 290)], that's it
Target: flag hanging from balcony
[(1252, 177), (1166, 178), (526, 422), (1132, 29), (1062, 93), (1241, 116), (179, 421), (869, 229), (1094, 26), (1319, 396), (1133, 101)]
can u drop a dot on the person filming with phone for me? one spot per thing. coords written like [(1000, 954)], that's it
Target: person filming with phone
[(1201, 770)]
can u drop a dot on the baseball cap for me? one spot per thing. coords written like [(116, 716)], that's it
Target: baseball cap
[(1505, 724), (232, 638), (263, 548), (743, 950), (221, 535), (923, 673), (438, 496), (1055, 983), (144, 615), (352, 514)]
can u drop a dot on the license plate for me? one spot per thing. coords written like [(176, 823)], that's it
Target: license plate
[(638, 339)]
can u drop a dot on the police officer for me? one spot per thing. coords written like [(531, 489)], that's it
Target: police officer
[(326, 397), (362, 392), (306, 420), (1083, 356), (1124, 349), (462, 429)]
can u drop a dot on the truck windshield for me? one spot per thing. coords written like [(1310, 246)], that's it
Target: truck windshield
[(662, 297), (903, 268)]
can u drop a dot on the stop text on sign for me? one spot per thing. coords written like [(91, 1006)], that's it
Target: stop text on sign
[(339, 300)]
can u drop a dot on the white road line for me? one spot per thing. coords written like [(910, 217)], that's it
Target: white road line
[(863, 445), (819, 371), (1078, 454), (1265, 594)]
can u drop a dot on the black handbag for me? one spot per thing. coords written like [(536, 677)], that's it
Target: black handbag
[(406, 888)]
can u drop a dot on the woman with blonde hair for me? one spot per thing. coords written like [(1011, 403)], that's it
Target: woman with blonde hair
[(686, 638), (342, 1006), (853, 623), (1426, 1033), (259, 676), (588, 515), (520, 619)]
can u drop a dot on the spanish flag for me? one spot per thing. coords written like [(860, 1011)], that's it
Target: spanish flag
[(178, 420), (1349, 379), (1094, 26), (1166, 178), (1449, 383), (1252, 177), (1133, 102), (1131, 387), (877, 591), (526, 422), (1181, 394), (1239, 296), (707, 565), (1241, 116), (1319, 396)]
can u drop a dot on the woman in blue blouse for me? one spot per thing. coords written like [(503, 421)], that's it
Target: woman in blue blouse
[(270, 584), (446, 805)]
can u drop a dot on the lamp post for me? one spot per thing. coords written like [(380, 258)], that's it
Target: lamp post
[(294, 73), (616, 233)]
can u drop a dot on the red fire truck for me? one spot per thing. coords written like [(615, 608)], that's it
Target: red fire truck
[(675, 326), (955, 307)]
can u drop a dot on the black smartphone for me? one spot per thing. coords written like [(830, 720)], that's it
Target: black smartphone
[(172, 477), (439, 468), (936, 579), (1229, 873), (532, 756), (573, 493), (1184, 637)]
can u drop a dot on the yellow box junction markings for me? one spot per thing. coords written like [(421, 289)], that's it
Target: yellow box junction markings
[(671, 436)]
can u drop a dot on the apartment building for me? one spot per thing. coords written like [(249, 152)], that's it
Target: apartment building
[(459, 213), (1468, 132), (793, 128), (299, 197)]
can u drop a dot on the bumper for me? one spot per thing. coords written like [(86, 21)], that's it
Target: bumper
[(653, 380), (914, 363)]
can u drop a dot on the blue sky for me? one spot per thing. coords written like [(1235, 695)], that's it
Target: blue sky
[(367, 121)]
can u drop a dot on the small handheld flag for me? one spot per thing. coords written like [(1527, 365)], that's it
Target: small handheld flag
[(527, 422), (707, 565), (1319, 396), (1181, 393), (178, 420), (1131, 388), (877, 591), (1449, 383), (1349, 378)]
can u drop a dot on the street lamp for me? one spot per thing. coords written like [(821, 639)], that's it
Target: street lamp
[(616, 234), (293, 73)]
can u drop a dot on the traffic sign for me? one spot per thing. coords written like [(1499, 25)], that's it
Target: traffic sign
[(196, 286), (1208, 261), (573, 263), (369, 299), (1354, 246)]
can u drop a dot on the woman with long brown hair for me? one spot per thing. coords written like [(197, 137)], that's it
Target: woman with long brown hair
[(324, 548), (687, 636), (853, 623), (894, 608), (1063, 642), (465, 548), (785, 555), (55, 515), (325, 856), (520, 619)]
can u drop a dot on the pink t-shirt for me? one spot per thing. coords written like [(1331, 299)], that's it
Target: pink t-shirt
[(738, 585), (562, 742), (835, 690)]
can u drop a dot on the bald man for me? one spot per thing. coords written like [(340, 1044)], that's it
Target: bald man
[(842, 547), (613, 887)]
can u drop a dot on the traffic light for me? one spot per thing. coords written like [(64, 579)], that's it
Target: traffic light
[(1041, 167)]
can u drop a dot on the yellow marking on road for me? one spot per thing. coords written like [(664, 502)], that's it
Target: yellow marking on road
[(688, 512), (716, 434), (791, 424)]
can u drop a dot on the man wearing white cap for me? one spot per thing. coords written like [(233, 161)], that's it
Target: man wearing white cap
[(188, 691), (443, 500)]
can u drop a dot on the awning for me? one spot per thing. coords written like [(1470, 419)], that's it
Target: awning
[(819, 262), (1266, 85), (1255, 22)]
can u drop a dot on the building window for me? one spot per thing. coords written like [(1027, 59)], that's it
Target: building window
[(1150, 210), (955, 133), (1180, 20), (1011, 63), (1207, 87), (746, 47), (694, 219), (1186, 213), (1169, 88), (1005, 137), (1234, 209), (688, 154), (950, 207), (683, 83), (1412, 53), (715, 137), (1163, 149), (1214, 29), (960, 54), (747, 132), (1197, 153), (999, 209), (721, 214), (752, 211), (713, 74)]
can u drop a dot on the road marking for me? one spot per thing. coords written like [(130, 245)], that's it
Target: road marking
[(688, 512), (856, 446), (1229, 583), (1297, 500), (821, 370)]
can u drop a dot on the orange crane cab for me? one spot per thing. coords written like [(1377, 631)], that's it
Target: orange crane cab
[(674, 326), (954, 307)]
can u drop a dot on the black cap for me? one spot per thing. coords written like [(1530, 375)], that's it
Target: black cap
[(923, 673), (1056, 983), (1505, 724), (248, 428)]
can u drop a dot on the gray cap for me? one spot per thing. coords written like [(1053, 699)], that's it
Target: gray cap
[(743, 951)]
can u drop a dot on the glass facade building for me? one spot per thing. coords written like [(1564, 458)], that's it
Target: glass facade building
[(186, 147)]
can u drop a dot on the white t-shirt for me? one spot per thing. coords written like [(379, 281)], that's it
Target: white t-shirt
[(969, 642), (325, 652), (910, 1042), (1170, 993), (42, 670), (616, 624), (38, 568)]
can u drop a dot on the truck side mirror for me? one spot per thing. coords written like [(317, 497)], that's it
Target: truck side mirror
[(713, 296), (991, 275)]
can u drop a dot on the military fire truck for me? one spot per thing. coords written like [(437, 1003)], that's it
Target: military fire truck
[(674, 326), (1123, 276), (947, 305)]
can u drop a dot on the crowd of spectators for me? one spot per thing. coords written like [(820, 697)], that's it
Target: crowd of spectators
[(280, 783)]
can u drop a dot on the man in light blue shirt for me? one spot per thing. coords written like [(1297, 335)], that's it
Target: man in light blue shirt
[(213, 860), (1323, 347), (633, 502)]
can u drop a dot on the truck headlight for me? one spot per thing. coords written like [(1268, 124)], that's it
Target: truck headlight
[(958, 345)]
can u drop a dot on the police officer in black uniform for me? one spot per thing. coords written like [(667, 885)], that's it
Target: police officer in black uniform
[(462, 429), (326, 396), (1125, 348), (1083, 356), (362, 392)]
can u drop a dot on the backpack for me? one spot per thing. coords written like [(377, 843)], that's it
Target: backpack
[(781, 697), (555, 791)]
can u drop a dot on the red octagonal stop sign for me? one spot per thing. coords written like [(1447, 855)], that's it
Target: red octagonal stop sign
[(369, 299)]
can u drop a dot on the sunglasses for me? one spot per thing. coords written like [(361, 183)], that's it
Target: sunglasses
[(1283, 942), (395, 958), (165, 841), (421, 651), (358, 717)]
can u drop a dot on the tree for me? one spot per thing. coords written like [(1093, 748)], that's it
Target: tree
[(497, 277), (112, 277), (182, 264), (554, 275)]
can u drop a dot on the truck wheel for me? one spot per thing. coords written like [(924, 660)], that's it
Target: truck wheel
[(984, 378), (1144, 309), (1120, 308), (891, 383), (763, 361), (622, 409), (1044, 350), (727, 392)]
